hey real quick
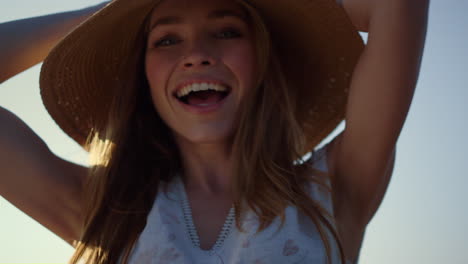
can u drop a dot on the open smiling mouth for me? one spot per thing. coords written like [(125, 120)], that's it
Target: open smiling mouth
[(204, 94)]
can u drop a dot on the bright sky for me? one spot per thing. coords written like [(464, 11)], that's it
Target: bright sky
[(424, 214)]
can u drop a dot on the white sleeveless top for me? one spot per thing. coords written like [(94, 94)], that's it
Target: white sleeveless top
[(170, 235)]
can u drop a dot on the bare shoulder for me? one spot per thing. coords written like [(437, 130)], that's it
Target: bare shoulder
[(35, 180)]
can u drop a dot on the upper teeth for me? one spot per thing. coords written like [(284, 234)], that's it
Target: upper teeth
[(200, 87)]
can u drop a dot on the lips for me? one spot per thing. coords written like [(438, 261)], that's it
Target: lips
[(203, 107), (186, 84), (202, 94), (203, 97)]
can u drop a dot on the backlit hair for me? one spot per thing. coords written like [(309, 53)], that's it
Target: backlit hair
[(136, 153)]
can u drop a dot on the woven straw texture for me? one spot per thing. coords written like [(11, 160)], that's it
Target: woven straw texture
[(317, 43)]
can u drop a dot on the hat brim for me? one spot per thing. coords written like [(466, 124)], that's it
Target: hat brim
[(317, 45)]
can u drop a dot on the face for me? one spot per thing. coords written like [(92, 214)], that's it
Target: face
[(204, 45)]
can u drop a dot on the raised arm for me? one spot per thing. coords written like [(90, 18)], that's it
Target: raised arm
[(32, 178), (36, 181), (26, 42), (380, 95)]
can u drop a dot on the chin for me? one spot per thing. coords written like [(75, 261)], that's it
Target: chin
[(213, 135)]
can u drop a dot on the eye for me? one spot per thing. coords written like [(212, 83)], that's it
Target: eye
[(166, 41), (229, 33)]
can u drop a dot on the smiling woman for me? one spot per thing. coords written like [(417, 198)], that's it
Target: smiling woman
[(197, 124), (209, 43)]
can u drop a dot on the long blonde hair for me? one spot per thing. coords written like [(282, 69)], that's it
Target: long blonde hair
[(135, 153)]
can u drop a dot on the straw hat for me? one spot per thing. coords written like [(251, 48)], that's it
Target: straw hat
[(319, 50)]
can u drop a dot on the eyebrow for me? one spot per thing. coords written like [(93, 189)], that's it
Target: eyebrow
[(172, 20)]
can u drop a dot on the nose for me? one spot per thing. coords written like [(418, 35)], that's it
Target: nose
[(192, 63), (198, 55)]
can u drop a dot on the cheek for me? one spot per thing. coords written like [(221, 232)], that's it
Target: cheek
[(243, 62), (157, 74), (154, 68)]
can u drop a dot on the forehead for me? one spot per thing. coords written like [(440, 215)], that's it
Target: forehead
[(181, 8)]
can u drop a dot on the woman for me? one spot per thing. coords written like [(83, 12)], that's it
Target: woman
[(214, 103)]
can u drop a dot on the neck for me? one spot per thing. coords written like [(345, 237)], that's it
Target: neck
[(207, 167)]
